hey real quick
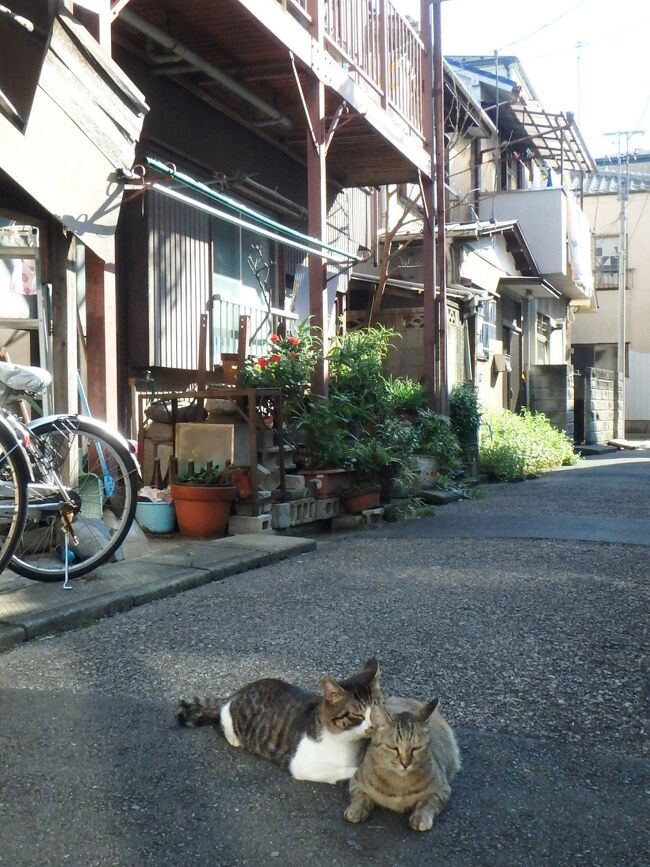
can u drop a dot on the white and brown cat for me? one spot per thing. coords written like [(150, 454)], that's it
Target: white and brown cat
[(317, 737)]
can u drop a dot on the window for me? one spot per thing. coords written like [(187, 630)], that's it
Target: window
[(543, 334), (233, 277), (486, 327), (606, 257)]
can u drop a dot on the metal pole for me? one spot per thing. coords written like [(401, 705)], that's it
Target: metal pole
[(622, 276)]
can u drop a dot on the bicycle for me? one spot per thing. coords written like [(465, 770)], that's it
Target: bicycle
[(68, 486)]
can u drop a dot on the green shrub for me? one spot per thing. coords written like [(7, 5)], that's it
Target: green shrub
[(520, 446), (437, 438), (465, 415), (406, 396)]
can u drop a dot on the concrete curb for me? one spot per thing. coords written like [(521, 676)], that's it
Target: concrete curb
[(41, 610)]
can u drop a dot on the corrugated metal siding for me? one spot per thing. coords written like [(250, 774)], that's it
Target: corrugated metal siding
[(179, 281), (349, 219)]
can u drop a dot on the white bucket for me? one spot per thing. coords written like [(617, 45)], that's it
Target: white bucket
[(427, 470)]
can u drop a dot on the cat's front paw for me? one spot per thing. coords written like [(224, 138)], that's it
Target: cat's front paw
[(356, 813), (420, 821)]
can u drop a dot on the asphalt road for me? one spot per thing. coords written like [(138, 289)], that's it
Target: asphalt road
[(535, 647)]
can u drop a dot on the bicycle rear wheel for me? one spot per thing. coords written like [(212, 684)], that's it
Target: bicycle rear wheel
[(99, 475), (14, 477)]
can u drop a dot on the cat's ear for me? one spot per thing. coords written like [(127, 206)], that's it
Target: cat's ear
[(427, 710), (379, 717), (332, 691), (371, 669)]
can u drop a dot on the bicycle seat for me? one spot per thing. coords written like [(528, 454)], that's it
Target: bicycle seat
[(19, 377)]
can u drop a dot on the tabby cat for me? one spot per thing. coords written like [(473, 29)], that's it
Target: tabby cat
[(317, 737), (408, 766)]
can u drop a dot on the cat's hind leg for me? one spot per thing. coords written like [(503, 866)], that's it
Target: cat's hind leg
[(361, 805)]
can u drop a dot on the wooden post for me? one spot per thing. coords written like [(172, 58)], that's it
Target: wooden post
[(101, 337), (317, 201), (439, 120), (428, 252), (59, 270)]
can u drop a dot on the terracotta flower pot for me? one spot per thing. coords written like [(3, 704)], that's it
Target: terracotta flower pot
[(202, 511), (359, 501)]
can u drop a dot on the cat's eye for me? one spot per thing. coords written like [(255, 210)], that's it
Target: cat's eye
[(416, 748)]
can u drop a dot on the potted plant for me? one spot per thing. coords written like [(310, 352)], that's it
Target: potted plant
[(203, 500), (438, 449), (318, 430)]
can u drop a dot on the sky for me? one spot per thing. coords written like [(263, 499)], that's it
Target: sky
[(606, 82)]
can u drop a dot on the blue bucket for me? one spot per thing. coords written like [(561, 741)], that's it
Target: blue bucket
[(156, 517)]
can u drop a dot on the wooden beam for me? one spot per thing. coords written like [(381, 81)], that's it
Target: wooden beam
[(428, 252), (101, 337), (317, 202), (61, 273)]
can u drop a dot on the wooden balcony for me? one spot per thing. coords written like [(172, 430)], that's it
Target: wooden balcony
[(367, 55)]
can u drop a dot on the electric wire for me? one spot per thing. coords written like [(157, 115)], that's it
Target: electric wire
[(543, 26)]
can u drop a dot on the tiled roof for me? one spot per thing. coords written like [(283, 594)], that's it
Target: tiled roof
[(606, 181)]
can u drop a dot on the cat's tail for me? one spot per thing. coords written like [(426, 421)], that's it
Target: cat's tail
[(199, 713)]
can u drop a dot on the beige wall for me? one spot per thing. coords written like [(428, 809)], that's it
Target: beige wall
[(602, 326)]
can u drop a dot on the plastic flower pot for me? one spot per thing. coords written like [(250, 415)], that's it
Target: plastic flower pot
[(156, 517), (328, 482), (202, 511), (359, 501)]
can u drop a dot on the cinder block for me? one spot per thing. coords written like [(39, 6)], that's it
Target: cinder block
[(302, 511), (240, 525), (281, 516), (327, 508), (294, 483), (373, 517), (246, 507), (348, 522)]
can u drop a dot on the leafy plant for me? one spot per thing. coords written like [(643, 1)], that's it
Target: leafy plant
[(288, 365), (206, 476), (465, 415), (521, 446), (406, 396), (356, 368), (437, 438), (318, 428)]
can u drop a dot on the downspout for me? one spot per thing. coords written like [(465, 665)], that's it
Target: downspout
[(182, 52)]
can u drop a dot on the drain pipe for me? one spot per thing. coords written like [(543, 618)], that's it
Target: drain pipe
[(183, 53)]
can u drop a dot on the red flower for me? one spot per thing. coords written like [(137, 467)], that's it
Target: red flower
[(275, 338), (293, 355), (263, 362), (275, 357), (294, 341)]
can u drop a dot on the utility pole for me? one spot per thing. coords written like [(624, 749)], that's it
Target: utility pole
[(623, 187)]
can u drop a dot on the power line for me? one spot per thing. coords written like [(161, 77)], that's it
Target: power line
[(637, 24), (543, 26)]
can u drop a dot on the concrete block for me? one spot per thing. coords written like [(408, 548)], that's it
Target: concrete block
[(373, 517), (281, 516), (246, 507), (302, 511), (243, 524), (294, 483), (327, 508), (348, 522)]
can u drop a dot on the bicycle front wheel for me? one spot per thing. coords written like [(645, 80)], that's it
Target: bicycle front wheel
[(14, 478), (88, 473)]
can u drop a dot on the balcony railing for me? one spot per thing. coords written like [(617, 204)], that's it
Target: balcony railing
[(380, 49), (225, 327)]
